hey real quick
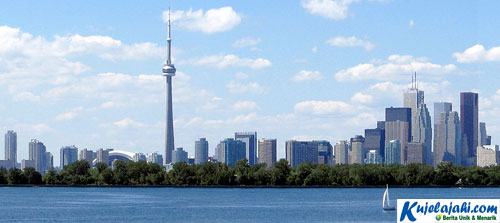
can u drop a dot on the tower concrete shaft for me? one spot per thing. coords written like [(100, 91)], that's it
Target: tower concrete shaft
[(169, 72)]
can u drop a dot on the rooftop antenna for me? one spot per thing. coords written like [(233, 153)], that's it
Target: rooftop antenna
[(416, 83)]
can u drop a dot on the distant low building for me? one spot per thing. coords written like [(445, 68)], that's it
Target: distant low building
[(179, 155), (488, 155), (373, 157), (7, 164), (298, 152), (27, 163)]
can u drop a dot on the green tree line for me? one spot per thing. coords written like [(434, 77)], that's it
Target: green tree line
[(242, 174)]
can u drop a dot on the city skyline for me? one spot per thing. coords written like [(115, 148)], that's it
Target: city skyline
[(236, 75)]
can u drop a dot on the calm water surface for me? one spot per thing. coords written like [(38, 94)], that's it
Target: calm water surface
[(44, 204)]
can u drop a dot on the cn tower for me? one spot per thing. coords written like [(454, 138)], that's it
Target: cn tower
[(169, 72)]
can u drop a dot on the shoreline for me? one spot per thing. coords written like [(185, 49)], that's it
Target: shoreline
[(250, 187)]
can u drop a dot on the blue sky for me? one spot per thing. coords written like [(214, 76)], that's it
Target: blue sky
[(89, 73)]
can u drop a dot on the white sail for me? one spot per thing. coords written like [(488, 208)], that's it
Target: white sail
[(386, 202)]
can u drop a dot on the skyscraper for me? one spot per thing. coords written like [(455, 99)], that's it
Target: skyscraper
[(440, 107), (179, 155), (169, 72), (398, 127), (201, 151), (87, 155), (375, 140), (448, 139), (140, 157), (393, 152), (398, 130), (155, 158), (103, 156), (469, 126), (483, 136), (325, 152), (11, 146), (416, 153), (422, 132), (37, 152), (356, 151), (413, 98), (341, 152), (298, 152), (230, 151), (250, 140), (267, 151), (69, 154)]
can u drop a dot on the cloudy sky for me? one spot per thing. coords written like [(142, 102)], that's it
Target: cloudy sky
[(89, 73)]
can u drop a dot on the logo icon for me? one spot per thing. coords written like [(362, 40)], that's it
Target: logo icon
[(438, 217)]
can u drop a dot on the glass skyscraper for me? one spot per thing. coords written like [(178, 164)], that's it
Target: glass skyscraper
[(250, 140)]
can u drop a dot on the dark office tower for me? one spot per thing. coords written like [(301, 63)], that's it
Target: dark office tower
[(201, 151), (381, 124), (325, 152), (469, 125), (250, 140), (375, 140), (398, 127), (11, 146), (398, 114), (298, 152)]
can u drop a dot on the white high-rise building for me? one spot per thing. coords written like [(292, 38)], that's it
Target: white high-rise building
[(11, 146)]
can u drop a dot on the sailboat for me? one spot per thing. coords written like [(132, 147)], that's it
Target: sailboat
[(386, 202)]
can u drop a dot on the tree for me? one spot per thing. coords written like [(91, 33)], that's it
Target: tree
[(32, 176), (300, 173), (3, 176), (244, 177), (446, 174), (16, 176), (280, 172), (120, 173), (50, 178)]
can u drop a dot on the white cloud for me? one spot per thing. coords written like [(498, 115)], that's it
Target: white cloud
[(331, 9), (397, 67), (231, 60), (246, 42), (246, 106), (478, 53), (412, 23), (66, 116), (241, 76), (127, 123), (361, 98), (363, 119), (251, 87), (352, 41), (209, 22), (322, 107), (315, 49), (307, 75)]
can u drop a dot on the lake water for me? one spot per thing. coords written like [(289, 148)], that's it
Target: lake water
[(71, 204)]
